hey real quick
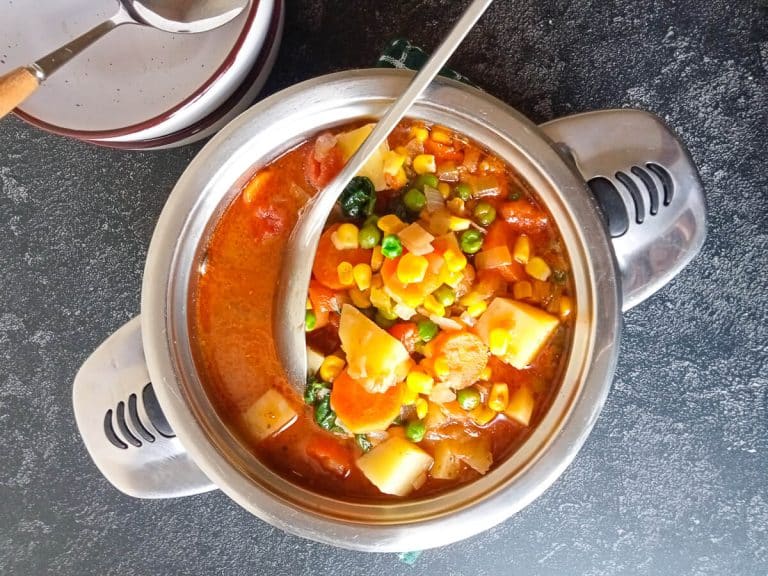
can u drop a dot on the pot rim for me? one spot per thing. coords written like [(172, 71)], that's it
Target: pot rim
[(205, 189)]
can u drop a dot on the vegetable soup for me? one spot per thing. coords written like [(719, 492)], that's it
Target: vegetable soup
[(439, 316)]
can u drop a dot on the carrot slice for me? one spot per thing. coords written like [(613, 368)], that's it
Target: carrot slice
[(443, 151), (407, 333), (501, 234), (463, 354), (523, 216), (328, 258), (330, 454), (361, 411)]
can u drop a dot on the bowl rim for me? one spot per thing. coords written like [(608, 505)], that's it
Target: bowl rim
[(221, 164), (199, 93), (257, 73)]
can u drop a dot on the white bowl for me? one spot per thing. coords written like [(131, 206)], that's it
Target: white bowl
[(136, 83)]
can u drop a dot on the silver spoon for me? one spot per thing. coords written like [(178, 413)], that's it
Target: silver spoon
[(300, 252), (177, 16)]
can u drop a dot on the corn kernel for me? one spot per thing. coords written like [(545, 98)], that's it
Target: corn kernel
[(498, 398), (537, 268), (522, 249), (345, 237), (441, 368), (392, 162), (433, 306), (380, 299), (362, 276), (444, 189), (455, 261), (486, 373), (522, 290), (377, 259), (456, 205), (450, 277), (422, 407), (309, 304), (471, 298), (411, 268), (482, 415), (390, 224), (477, 308), (331, 367), (400, 179), (566, 306), (441, 135), (344, 271), (498, 341), (457, 224), (419, 382), (360, 298), (409, 396), (420, 133), (424, 164)]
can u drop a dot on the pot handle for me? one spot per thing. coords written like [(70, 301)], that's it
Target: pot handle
[(647, 188), (123, 426)]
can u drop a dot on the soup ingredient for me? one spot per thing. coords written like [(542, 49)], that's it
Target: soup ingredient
[(458, 358), (415, 430), (391, 247), (471, 241), (515, 331), (268, 415), (361, 411), (396, 466), (468, 398), (358, 198), (350, 141), (332, 456), (520, 407), (484, 213), (328, 258), (374, 357), (427, 330), (369, 236), (414, 199)]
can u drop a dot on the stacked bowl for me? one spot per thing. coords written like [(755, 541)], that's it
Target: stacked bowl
[(140, 88)]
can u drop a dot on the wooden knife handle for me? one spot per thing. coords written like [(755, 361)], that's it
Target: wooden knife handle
[(15, 87)]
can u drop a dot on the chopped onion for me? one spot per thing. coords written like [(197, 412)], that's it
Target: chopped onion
[(493, 258), (435, 200), (468, 319), (486, 186), (324, 143), (446, 323), (416, 240), (448, 172), (442, 394), (404, 312)]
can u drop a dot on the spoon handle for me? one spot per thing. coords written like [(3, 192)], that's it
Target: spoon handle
[(302, 246), (17, 85)]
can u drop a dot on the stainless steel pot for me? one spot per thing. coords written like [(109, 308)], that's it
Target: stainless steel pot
[(640, 220)]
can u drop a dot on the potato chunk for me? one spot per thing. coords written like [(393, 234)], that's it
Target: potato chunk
[(527, 328), (268, 415), (395, 466), (349, 142), (375, 358), (520, 407)]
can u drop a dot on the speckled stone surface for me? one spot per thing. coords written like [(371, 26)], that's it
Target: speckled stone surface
[(673, 479)]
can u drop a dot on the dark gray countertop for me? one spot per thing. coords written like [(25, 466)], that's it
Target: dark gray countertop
[(673, 479)]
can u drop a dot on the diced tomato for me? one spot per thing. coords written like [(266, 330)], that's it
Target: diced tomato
[(500, 233), (443, 151), (328, 259), (272, 212), (407, 333), (331, 454), (523, 216), (323, 299), (320, 172)]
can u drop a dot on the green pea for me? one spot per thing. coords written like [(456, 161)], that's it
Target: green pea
[(471, 241), (426, 180), (427, 330), (463, 191), (414, 200), (445, 295), (484, 213), (368, 236), (415, 430), (310, 320), (468, 398), (391, 247)]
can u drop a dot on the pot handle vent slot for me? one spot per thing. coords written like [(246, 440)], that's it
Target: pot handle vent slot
[(646, 187), (123, 425)]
